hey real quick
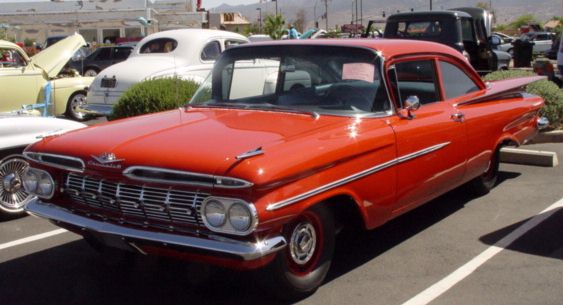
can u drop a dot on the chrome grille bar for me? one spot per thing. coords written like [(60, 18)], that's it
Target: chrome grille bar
[(141, 202)]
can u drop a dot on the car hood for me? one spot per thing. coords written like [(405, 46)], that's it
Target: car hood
[(197, 140), (54, 58), (133, 70)]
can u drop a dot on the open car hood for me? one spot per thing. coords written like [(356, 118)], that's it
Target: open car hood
[(54, 58)]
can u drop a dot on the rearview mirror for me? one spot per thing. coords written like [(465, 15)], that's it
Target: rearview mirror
[(411, 104)]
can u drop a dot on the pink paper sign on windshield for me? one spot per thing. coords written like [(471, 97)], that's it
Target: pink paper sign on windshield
[(358, 71)]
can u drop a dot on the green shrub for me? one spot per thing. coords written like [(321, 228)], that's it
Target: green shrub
[(548, 90), (153, 96)]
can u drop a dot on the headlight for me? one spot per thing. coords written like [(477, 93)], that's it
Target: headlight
[(241, 216), (215, 213), (38, 182)]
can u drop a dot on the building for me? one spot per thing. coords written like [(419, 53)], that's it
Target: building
[(98, 20)]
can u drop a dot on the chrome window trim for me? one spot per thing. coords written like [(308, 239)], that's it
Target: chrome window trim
[(128, 172), (30, 156), (353, 177)]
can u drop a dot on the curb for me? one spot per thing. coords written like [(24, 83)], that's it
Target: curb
[(555, 136), (528, 157)]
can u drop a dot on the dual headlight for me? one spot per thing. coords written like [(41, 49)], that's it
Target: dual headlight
[(228, 215), (38, 182)]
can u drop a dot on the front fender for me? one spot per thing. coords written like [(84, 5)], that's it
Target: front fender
[(64, 88)]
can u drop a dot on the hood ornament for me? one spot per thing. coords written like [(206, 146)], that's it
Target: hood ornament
[(106, 160)]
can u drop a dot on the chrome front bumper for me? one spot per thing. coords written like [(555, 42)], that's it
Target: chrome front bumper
[(96, 109), (214, 245)]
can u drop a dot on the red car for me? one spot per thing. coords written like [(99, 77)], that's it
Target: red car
[(283, 145)]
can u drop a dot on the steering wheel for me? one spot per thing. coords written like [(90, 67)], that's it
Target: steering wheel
[(347, 97)]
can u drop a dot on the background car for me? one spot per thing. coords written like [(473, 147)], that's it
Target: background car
[(187, 53), (100, 59), (542, 40), (12, 164), (23, 79)]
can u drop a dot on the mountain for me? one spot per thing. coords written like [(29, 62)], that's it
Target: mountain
[(340, 11)]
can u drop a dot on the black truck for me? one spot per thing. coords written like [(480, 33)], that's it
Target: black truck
[(466, 29)]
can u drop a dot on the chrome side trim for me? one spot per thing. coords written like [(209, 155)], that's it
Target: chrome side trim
[(356, 176), (215, 181), (38, 157), (244, 250)]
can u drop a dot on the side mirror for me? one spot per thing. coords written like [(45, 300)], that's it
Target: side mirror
[(412, 104), (495, 41)]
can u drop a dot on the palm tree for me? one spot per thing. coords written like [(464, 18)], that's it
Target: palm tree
[(274, 26)]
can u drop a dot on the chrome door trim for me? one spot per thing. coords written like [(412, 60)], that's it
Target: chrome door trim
[(356, 176)]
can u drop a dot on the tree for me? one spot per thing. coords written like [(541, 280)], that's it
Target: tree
[(274, 26), (483, 5), (522, 20), (300, 21)]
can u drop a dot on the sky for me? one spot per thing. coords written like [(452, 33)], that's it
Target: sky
[(206, 3)]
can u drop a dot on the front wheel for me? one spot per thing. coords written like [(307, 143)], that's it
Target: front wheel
[(75, 101), (302, 266), (13, 197)]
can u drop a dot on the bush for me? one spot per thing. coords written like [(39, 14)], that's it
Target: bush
[(153, 96), (548, 90)]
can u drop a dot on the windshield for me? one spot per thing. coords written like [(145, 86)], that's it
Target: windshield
[(319, 79)]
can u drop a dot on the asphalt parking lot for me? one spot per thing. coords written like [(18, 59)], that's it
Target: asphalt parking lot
[(503, 248)]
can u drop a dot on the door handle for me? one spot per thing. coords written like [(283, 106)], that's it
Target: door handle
[(458, 117)]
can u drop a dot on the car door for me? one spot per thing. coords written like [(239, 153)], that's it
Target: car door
[(431, 140), (20, 81)]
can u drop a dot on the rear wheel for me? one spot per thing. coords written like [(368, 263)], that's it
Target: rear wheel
[(301, 268), (483, 184), (13, 197)]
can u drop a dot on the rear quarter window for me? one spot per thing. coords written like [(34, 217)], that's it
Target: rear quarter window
[(456, 81)]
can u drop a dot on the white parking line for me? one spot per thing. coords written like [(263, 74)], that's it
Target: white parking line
[(462, 272), (31, 238)]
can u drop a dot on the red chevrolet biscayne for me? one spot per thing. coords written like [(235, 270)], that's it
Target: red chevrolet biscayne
[(281, 146)]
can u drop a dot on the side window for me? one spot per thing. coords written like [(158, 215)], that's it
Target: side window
[(211, 51), (11, 59), (121, 53), (159, 45), (417, 78), (104, 54), (456, 82)]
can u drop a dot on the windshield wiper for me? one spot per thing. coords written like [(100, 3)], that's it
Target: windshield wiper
[(269, 106)]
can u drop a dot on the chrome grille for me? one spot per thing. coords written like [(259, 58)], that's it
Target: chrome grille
[(147, 203)]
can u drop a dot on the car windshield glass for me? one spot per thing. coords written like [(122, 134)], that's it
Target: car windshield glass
[(311, 79)]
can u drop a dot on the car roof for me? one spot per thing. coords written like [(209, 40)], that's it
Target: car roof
[(426, 14), (388, 47)]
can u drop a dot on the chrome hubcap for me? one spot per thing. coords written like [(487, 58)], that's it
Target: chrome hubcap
[(12, 194), (303, 243), (76, 103), (11, 183)]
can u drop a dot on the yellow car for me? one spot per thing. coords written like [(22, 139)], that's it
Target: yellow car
[(23, 79)]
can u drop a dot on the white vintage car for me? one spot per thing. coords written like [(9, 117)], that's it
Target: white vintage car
[(187, 53), (16, 132), (23, 79)]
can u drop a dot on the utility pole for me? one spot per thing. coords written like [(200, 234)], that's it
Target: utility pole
[(430, 4), (259, 9), (326, 14)]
